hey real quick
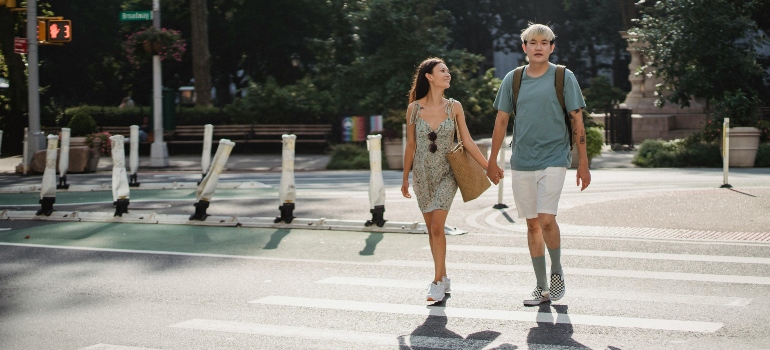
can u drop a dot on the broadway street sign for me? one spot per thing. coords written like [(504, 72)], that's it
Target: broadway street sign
[(136, 15)]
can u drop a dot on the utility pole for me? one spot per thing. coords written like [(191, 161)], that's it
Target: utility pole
[(36, 138), (158, 150)]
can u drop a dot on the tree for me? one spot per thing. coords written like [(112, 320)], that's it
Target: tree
[(701, 48), (200, 56)]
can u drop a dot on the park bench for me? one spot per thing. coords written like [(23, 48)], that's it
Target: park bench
[(248, 133)]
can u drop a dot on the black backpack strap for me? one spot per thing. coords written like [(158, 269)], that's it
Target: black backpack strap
[(559, 84), (518, 73)]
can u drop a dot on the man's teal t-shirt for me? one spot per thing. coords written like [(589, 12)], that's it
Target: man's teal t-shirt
[(540, 133)]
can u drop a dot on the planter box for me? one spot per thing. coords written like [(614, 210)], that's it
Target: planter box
[(394, 153), (744, 142)]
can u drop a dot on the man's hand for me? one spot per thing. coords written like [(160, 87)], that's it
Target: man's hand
[(583, 176), (494, 173)]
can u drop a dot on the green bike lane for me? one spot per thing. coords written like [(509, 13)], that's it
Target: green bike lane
[(15, 199)]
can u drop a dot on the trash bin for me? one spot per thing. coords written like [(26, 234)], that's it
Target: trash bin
[(618, 129), (168, 109)]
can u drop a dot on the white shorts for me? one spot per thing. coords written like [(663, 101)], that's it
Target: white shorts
[(537, 191)]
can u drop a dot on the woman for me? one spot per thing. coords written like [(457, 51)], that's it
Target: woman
[(430, 136)]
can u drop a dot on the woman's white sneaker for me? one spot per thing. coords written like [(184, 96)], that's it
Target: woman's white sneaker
[(447, 284), (436, 291)]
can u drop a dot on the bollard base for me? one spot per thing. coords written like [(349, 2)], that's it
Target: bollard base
[(287, 211), (121, 207), (132, 181), (499, 206), (46, 206), (200, 211), (726, 186), (63, 185), (377, 216)]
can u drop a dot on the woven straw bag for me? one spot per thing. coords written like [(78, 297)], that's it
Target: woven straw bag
[(469, 174)]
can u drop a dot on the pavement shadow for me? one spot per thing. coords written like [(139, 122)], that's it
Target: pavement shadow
[(371, 243), (434, 334), (553, 332), (275, 238)]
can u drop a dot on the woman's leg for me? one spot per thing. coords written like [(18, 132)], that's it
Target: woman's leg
[(438, 242), (428, 219)]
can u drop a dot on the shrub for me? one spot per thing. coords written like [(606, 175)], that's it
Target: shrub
[(82, 125), (270, 103), (593, 142), (763, 155), (348, 156), (168, 45), (690, 152), (106, 146), (601, 96)]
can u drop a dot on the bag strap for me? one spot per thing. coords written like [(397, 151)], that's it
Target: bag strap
[(518, 73), (559, 84)]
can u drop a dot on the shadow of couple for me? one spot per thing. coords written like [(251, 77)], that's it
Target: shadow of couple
[(433, 333)]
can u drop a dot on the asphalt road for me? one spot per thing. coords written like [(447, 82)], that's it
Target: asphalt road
[(654, 259)]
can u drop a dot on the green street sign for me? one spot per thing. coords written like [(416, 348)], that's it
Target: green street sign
[(136, 15)]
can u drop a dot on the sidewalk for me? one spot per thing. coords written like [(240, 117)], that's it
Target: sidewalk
[(272, 162)]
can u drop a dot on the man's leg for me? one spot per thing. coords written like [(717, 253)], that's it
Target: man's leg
[(537, 251), (552, 238), (550, 183), (524, 185)]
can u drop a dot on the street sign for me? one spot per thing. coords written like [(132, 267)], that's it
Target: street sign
[(59, 31), (20, 45), (136, 15)]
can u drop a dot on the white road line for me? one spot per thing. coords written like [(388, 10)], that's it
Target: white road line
[(661, 275), (522, 316), (573, 292), (614, 254), (331, 334), (114, 347)]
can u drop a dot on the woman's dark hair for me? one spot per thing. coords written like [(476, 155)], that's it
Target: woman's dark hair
[(420, 84)]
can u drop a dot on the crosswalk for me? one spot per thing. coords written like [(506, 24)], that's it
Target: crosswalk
[(709, 313)]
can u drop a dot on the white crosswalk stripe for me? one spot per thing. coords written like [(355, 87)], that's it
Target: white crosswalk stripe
[(114, 347), (604, 321), (573, 292)]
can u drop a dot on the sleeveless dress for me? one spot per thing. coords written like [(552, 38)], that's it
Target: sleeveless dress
[(434, 181)]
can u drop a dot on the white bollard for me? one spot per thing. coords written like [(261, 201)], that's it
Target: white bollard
[(208, 135), (133, 160), (64, 159), (25, 152), (120, 190), (208, 185), (48, 190), (376, 183), (500, 187), (726, 153), (287, 191)]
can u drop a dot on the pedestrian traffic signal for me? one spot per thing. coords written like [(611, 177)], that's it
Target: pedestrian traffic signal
[(41, 29), (59, 31), (8, 3)]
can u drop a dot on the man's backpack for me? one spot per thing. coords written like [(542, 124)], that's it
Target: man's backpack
[(558, 82)]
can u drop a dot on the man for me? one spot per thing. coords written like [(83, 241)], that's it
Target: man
[(541, 153)]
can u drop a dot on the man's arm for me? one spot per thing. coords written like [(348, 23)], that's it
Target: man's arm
[(579, 136), (494, 173)]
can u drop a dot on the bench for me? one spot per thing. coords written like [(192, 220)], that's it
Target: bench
[(248, 133)]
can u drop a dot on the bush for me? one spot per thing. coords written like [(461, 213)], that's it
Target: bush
[(269, 103), (82, 125), (690, 152), (763, 155), (115, 116), (601, 96), (348, 156), (593, 142)]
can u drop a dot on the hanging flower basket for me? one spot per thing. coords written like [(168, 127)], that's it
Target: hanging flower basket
[(142, 45)]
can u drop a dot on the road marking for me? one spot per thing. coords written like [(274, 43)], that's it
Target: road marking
[(662, 275), (114, 347), (332, 334), (579, 293), (614, 254), (522, 316)]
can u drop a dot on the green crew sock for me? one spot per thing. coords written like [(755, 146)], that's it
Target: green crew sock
[(539, 264), (555, 260)]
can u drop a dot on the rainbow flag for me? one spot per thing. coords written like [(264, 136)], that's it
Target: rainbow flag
[(353, 129)]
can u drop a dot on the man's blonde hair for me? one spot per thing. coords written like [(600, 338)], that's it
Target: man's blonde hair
[(537, 30)]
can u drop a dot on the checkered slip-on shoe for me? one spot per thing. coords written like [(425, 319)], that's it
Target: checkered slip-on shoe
[(557, 286), (537, 297)]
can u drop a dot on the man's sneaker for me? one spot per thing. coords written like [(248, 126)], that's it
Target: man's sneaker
[(557, 286), (436, 291), (537, 297), (447, 284)]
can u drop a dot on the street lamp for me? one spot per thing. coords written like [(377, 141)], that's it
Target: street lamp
[(295, 61)]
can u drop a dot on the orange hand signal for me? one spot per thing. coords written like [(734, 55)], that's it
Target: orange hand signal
[(54, 29)]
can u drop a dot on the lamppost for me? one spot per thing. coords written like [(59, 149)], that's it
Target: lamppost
[(158, 150)]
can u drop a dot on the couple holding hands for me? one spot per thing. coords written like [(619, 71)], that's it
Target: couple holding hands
[(542, 138)]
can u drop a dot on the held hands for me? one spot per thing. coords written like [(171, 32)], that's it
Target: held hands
[(494, 173), (405, 189), (583, 175)]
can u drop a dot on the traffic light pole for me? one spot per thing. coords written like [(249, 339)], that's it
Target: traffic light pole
[(158, 150), (36, 138)]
